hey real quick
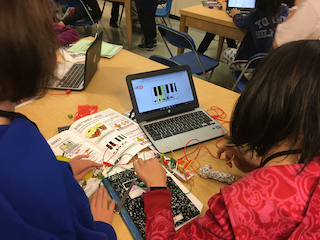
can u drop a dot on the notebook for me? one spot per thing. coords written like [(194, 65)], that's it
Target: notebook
[(76, 76), (185, 207), (244, 5), (166, 107)]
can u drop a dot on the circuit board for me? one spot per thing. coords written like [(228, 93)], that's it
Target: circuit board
[(182, 207)]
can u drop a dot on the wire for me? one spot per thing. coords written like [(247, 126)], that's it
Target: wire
[(67, 92)]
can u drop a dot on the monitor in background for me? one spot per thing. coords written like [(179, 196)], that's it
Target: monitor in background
[(244, 5)]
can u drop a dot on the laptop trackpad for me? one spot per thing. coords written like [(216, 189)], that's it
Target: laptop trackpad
[(186, 137)]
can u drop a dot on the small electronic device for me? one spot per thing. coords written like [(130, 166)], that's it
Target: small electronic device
[(212, 4), (76, 76), (244, 6), (166, 107)]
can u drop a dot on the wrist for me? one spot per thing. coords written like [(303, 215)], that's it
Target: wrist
[(157, 184), (157, 188)]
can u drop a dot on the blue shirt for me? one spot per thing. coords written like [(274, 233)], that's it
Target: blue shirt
[(39, 197), (260, 33)]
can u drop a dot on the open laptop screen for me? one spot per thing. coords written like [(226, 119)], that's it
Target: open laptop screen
[(241, 3), (157, 93), (162, 93)]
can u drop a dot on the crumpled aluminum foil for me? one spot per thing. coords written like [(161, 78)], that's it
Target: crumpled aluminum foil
[(205, 172)]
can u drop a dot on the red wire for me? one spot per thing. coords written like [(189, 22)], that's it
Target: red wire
[(219, 115), (106, 162), (67, 92)]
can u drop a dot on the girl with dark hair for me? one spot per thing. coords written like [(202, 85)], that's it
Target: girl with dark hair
[(39, 195), (277, 120), (260, 24)]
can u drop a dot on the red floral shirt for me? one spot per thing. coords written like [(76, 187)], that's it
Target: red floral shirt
[(269, 203)]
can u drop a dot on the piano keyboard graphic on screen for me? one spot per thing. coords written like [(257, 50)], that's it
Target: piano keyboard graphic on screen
[(164, 93)]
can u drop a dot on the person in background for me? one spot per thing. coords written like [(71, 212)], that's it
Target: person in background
[(65, 34), (276, 123), (260, 24), (115, 14), (146, 13), (208, 38), (79, 13), (39, 195), (302, 23)]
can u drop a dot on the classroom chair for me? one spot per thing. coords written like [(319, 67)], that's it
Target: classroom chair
[(198, 62), (165, 61), (89, 21), (165, 11), (240, 81)]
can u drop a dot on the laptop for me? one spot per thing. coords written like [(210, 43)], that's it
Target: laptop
[(76, 76), (166, 107), (245, 6)]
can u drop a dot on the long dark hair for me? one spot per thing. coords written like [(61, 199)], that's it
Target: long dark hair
[(282, 102), (27, 48), (271, 8)]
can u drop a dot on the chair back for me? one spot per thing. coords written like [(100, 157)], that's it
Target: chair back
[(165, 61), (240, 81), (167, 9), (176, 38)]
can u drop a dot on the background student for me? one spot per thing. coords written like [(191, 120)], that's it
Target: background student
[(39, 195), (65, 34), (275, 121), (146, 13), (115, 14), (260, 24), (80, 13), (303, 23), (208, 38)]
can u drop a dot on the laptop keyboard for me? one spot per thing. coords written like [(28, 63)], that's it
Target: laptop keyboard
[(177, 125), (74, 77), (243, 12)]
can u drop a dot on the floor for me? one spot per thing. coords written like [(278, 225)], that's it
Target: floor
[(221, 76)]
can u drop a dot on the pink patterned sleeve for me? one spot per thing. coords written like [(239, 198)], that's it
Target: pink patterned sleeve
[(159, 219)]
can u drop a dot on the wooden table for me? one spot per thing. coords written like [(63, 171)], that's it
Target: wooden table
[(128, 9), (108, 89), (212, 21)]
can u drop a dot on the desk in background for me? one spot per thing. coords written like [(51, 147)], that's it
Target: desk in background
[(108, 89), (212, 21)]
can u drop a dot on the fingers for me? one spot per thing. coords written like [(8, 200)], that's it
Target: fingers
[(80, 175), (221, 150), (100, 197), (105, 197), (112, 205), (80, 157), (93, 202)]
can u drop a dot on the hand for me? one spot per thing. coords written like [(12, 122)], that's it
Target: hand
[(234, 11), (81, 167), (101, 208), (151, 172), (243, 161)]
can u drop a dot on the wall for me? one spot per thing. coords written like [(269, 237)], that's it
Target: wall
[(177, 4)]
